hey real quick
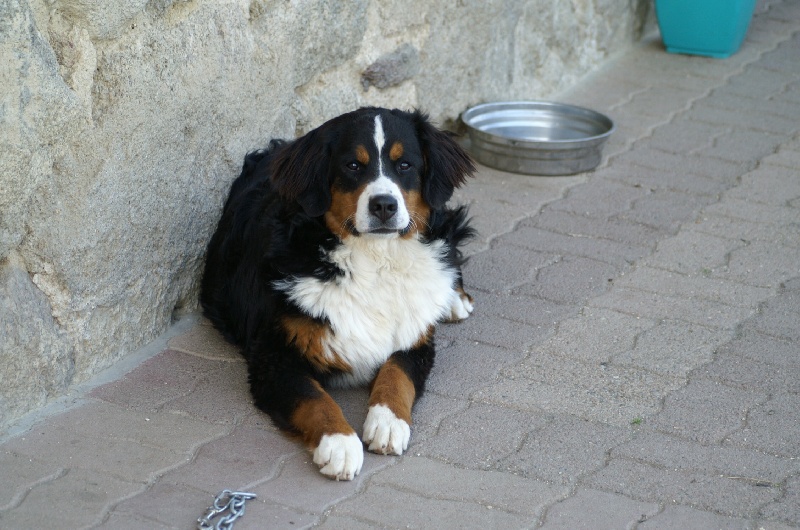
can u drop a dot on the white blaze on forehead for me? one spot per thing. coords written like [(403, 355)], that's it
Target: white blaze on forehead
[(380, 139)]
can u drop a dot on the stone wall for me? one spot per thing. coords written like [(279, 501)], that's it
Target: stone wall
[(122, 123)]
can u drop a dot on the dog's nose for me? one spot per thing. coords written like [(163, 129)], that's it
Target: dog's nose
[(383, 207)]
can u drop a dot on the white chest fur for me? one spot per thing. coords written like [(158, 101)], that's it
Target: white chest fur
[(392, 291)]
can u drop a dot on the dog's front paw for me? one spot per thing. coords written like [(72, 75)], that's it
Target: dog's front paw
[(339, 456), (384, 432), (461, 306)]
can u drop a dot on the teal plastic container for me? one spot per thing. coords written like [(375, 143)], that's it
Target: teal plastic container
[(714, 28)]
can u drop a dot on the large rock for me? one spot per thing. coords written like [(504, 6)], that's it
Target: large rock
[(123, 122)]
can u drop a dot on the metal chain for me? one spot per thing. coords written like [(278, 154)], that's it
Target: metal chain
[(227, 500)]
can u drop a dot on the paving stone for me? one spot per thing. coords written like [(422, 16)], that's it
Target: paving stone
[(149, 386), (617, 228), (20, 473), (699, 285), (429, 478), (598, 392), (129, 521), (786, 508), (595, 335), (77, 499), (169, 504), (599, 198), (205, 341), (389, 507), (134, 448), (428, 413), (741, 372), (658, 306), (781, 322), (665, 210), (692, 253), (565, 449), (682, 517), (572, 279), (751, 344), (707, 492), (665, 179), (344, 522), (246, 456), (300, 485), (743, 145), (752, 116), (678, 454), (705, 411), (530, 310), (612, 252), (785, 157), (221, 397), (479, 437), (773, 426), (673, 347), (763, 264), (598, 510), (721, 170), (754, 212), (464, 366), (661, 100), (757, 81), (504, 268), (683, 135), (768, 184), (494, 331), (745, 231)]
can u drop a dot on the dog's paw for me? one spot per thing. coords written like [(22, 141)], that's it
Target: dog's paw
[(385, 433), (339, 456), (461, 306)]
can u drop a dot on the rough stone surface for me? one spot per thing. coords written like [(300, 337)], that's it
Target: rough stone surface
[(125, 122)]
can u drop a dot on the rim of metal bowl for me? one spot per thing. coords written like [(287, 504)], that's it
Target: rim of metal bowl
[(469, 117)]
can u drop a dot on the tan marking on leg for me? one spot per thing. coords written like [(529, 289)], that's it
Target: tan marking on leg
[(314, 417), (396, 151), (393, 388), (309, 336)]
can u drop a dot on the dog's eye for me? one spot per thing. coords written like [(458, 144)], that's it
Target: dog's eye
[(404, 166), (353, 166)]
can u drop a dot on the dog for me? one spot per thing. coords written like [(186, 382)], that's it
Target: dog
[(334, 258)]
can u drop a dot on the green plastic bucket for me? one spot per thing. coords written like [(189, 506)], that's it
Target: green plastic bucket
[(714, 28)]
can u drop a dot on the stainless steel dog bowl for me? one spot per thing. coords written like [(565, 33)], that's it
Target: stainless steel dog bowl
[(537, 137)]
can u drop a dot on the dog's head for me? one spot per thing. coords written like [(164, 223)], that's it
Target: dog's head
[(372, 171)]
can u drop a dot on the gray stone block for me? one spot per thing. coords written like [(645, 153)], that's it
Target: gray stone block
[(599, 510)]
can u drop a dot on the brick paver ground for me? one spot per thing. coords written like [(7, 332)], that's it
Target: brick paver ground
[(633, 360)]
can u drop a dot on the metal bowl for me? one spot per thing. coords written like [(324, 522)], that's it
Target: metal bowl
[(537, 137)]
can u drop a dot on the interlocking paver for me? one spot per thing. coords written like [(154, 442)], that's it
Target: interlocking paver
[(598, 510), (481, 436), (680, 454), (505, 491), (682, 517), (727, 496), (706, 411), (564, 449), (632, 360), (673, 347)]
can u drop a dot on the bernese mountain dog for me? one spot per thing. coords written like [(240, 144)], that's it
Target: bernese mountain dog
[(334, 258)]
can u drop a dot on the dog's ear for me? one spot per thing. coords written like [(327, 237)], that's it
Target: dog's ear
[(447, 165), (300, 172)]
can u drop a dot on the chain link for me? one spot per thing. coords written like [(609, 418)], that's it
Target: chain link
[(226, 501)]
